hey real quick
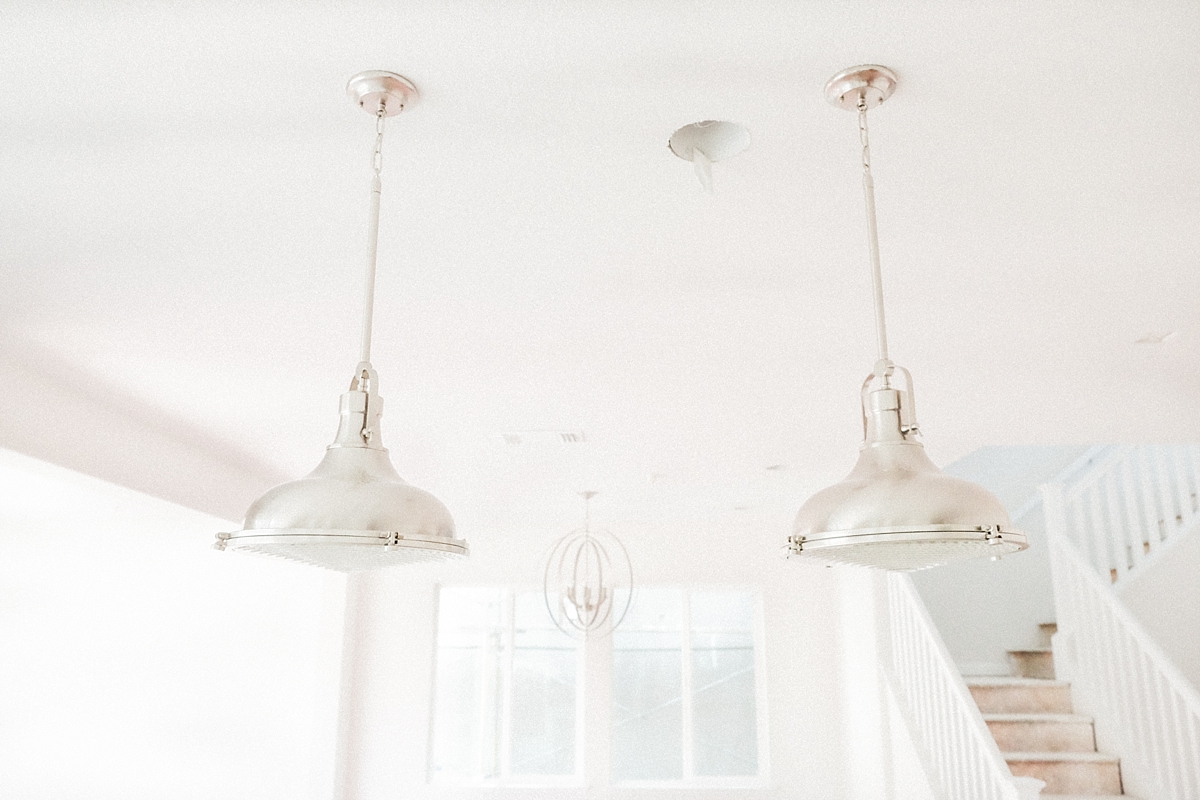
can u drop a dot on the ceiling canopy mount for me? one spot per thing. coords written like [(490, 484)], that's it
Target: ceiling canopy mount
[(369, 89), (871, 82)]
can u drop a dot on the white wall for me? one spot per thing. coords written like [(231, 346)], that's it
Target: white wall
[(51, 411), (1165, 599), (137, 662), (824, 742)]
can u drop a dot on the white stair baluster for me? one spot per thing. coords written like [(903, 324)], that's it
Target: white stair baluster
[(1162, 479), (1183, 488), (1133, 519), (1150, 510), (1193, 457), (1116, 536), (957, 750), (1098, 534)]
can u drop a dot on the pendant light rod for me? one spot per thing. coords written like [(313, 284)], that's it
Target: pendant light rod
[(383, 94), (587, 508), (858, 89), (884, 363), (373, 234)]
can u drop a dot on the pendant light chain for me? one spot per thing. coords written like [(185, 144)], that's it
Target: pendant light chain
[(883, 367), (373, 233)]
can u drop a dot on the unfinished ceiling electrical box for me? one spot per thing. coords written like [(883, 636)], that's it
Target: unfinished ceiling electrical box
[(704, 143)]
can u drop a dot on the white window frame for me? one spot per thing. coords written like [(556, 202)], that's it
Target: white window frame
[(761, 780), (505, 678), (593, 706)]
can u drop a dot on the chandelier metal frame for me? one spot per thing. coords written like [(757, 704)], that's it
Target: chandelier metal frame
[(585, 608)]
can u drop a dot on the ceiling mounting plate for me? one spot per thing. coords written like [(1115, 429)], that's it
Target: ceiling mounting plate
[(369, 88), (871, 81)]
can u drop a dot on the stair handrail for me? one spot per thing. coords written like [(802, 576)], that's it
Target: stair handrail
[(1144, 708), (959, 754), (1093, 455), (1131, 505), (1103, 462)]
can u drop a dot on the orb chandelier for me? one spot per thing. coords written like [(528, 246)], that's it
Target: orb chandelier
[(588, 581), (353, 511), (895, 510)]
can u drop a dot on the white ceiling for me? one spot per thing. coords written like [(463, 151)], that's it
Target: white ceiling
[(183, 190)]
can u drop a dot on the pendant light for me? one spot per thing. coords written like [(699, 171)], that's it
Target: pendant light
[(895, 510), (353, 511), (588, 582)]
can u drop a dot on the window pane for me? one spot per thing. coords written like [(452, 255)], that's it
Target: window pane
[(722, 611), (724, 718), (647, 689), (543, 698), (468, 695)]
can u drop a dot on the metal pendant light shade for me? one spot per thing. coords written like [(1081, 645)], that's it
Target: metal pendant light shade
[(896, 509), (354, 512)]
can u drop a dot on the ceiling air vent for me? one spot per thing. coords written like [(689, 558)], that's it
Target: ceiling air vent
[(543, 437)]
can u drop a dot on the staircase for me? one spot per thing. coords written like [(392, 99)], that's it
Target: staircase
[(1032, 719)]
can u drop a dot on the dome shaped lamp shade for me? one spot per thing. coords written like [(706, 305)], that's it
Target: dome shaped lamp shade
[(895, 510), (354, 512)]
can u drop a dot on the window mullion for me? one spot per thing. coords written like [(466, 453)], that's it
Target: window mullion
[(760, 686), (689, 770), (489, 669), (597, 719), (507, 637)]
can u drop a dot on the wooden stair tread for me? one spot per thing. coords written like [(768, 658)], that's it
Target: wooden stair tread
[(1008, 680), (1089, 758), (1035, 717)]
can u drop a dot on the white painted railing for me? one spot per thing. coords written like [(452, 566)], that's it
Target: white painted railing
[(1144, 708), (1131, 504), (958, 752)]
